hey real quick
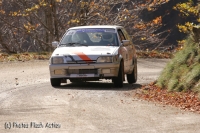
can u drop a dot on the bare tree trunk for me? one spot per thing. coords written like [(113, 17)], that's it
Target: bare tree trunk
[(49, 23), (54, 11)]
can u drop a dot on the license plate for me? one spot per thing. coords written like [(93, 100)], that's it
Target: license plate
[(81, 75)]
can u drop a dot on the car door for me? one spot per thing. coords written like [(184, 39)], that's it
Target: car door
[(124, 51), (131, 49)]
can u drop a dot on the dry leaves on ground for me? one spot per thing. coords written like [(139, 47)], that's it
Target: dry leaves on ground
[(184, 100), (154, 54), (23, 57)]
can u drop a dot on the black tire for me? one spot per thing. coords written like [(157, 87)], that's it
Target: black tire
[(132, 78), (55, 82), (118, 81)]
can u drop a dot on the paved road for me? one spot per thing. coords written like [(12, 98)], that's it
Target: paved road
[(29, 104)]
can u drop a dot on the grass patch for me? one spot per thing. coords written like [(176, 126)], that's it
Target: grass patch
[(173, 83), (182, 73), (166, 75)]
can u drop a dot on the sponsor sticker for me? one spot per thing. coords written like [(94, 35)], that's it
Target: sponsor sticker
[(96, 30)]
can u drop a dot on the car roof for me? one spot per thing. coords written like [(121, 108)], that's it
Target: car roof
[(96, 26)]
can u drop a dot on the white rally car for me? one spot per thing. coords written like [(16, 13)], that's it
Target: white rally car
[(90, 53)]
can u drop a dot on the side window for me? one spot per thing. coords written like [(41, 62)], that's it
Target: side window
[(121, 35), (126, 34)]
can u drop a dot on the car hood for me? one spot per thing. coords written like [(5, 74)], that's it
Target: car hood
[(85, 53)]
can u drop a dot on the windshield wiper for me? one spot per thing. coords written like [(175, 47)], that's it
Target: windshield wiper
[(82, 44), (73, 44), (68, 44)]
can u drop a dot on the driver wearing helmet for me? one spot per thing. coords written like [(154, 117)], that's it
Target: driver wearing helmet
[(107, 39)]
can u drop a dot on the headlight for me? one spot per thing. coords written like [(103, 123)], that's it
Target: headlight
[(107, 59), (57, 60)]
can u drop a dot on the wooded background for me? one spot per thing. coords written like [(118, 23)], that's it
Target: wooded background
[(31, 25)]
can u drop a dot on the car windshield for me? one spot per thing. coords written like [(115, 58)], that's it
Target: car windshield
[(90, 37)]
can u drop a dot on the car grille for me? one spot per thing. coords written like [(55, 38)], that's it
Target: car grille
[(82, 62), (82, 71)]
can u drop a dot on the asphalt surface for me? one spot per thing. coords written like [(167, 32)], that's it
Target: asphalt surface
[(28, 103)]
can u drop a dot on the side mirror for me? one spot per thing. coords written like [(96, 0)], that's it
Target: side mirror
[(125, 42), (55, 44)]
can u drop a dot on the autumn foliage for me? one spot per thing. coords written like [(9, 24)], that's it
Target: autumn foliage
[(188, 101), (32, 25), (188, 9)]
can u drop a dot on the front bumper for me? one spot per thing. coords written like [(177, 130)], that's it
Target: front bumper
[(96, 70)]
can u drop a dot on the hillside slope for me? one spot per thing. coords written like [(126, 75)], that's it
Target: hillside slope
[(182, 73)]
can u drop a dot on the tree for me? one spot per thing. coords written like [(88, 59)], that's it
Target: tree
[(32, 25), (182, 73)]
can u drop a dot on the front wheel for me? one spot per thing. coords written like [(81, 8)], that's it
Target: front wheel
[(118, 81), (132, 78), (55, 82)]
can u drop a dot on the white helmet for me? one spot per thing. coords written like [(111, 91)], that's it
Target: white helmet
[(107, 37)]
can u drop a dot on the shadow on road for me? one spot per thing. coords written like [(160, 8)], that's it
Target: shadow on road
[(98, 86)]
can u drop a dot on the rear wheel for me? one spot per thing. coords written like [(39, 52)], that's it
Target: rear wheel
[(55, 82), (132, 78), (118, 81)]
